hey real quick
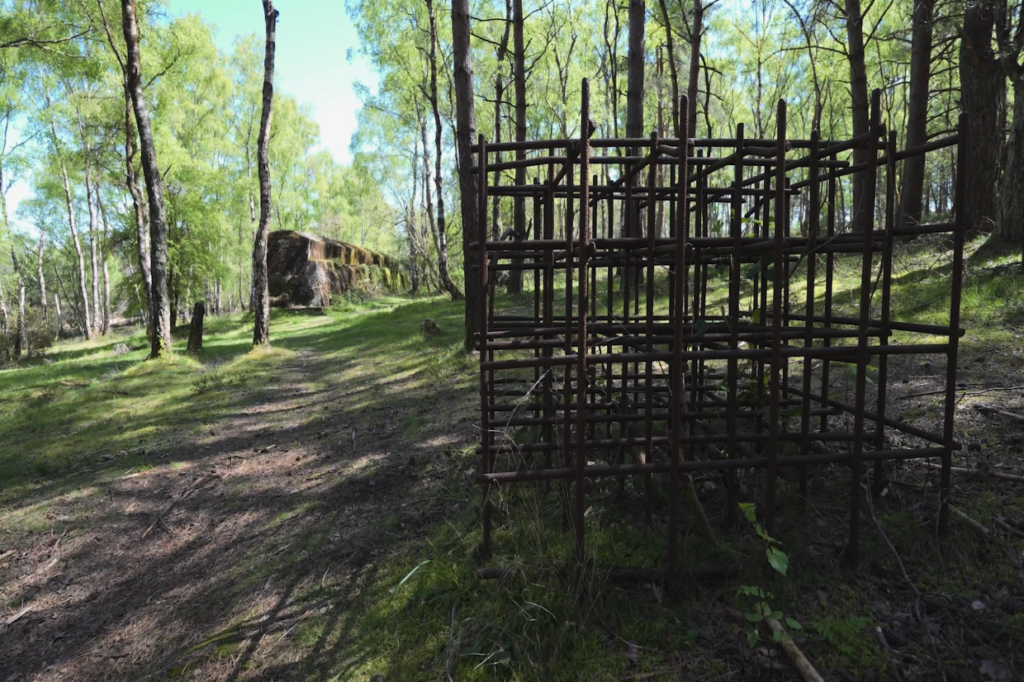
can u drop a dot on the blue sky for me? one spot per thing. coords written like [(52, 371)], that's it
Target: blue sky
[(314, 40)]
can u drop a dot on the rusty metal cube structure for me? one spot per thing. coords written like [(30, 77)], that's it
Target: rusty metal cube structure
[(608, 381)]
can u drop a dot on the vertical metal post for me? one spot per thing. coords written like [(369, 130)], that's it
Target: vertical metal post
[(778, 287), (676, 370), (863, 358), (953, 354), (883, 340), (581, 320), (813, 224), (732, 371), (485, 427), (649, 318)]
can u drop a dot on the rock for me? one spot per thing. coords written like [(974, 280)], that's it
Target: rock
[(306, 270), (430, 328)]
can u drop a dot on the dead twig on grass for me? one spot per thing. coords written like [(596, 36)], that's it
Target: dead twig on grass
[(809, 673)]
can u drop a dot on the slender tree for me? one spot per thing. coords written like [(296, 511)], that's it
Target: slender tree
[(515, 278), (42, 279), (635, 60), (161, 337), (442, 227), (21, 340), (132, 179), (72, 224), (261, 285), (693, 88), (465, 133)]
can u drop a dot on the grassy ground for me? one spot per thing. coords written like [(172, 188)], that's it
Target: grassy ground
[(309, 513)]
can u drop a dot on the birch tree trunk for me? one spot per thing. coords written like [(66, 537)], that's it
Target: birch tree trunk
[(442, 229), (42, 279), (21, 339), (261, 288), (3, 301), (465, 114), (59, 324), (161, 337), (3, 311), (105, 328), (132, 181), (90, 199), (69, 203)]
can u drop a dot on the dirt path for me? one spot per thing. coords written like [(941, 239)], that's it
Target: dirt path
[(200, 566)]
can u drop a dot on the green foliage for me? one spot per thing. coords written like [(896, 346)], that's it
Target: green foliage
[(757, 599)]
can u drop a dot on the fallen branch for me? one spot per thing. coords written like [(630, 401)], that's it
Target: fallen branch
[(985, 409), (793, 651), (693, 502), (975, 525), (977, 472), (1007, 527), (964, 392), (16, 617)]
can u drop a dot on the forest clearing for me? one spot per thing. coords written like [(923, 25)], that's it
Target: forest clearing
[(310, 513), (547, 340)]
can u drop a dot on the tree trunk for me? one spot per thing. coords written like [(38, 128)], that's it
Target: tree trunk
[(59, 325), (515, 277), (499, 93), (42, 279), (21, 339), (131, 180), (428, 196), (86, 320), (3, 301), (261, 288), (161, 338), (917, 110), (983, 102), (670, 46), (859, 110), (90, 199), (1011, 192), (3, 312), (442, 229), (141, 230), (105, 328), (195, 332), (693, 88), (635, 62), (465, 133)]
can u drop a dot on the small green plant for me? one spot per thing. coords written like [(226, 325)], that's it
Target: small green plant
[(754, 599)]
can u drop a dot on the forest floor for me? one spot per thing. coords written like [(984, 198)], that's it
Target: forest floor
[(310, 513)]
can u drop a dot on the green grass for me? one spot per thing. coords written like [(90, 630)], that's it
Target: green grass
[(83, 416)]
